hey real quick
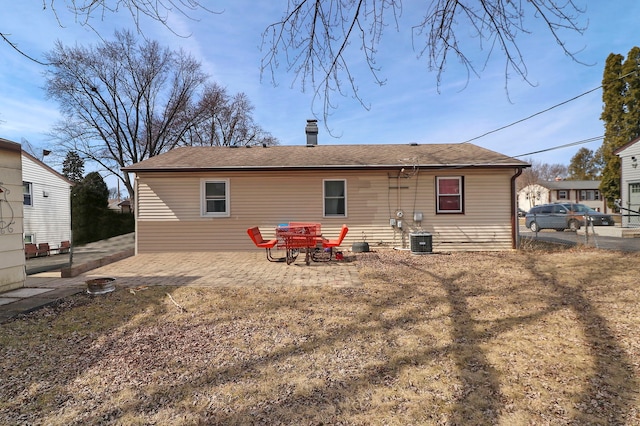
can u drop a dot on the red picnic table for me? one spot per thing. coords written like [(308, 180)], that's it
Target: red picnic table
[(297, 236)]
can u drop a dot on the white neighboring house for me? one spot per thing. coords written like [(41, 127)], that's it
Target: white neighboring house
[(630, 183), (46, 203), (12, 262), (585, 192)]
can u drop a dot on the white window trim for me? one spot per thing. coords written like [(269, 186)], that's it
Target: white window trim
[(203, 201), (324, 213), (461, 195), (30, 194)]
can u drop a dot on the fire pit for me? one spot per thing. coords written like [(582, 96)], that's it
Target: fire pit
[(101, 285)]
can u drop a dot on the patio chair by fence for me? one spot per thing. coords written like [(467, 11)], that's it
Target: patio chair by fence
[(256, 236)]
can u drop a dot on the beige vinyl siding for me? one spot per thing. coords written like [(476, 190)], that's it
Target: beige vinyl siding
[(12, 262), (168, 213)]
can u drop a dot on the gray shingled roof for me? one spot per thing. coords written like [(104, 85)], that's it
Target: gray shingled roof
[(570, 184), (325, 157)]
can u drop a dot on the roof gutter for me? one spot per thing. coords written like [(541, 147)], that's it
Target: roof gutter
[(135, 169)]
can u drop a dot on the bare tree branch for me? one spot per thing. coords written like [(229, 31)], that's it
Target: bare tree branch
[(314, 36), (123, 102), (15, 47), (84, 11)]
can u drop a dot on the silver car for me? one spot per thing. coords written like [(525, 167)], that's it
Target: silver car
[(561, 216), (552, 216), (592, 216)]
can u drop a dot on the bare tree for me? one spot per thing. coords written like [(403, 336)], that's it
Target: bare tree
[(314, 35), (226, 121), (123, 102), (540, 171)]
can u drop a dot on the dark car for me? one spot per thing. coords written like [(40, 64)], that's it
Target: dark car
[(521, 213)]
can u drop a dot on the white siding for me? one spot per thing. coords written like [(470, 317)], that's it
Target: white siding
[(168, 209), (629, 175), (49, 218), (12, 263), (533, 195)]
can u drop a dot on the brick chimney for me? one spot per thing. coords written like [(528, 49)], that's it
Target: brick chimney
[(312, 132)]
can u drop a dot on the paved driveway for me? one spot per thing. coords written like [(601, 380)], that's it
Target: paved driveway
[(219, 269), (606, 243)]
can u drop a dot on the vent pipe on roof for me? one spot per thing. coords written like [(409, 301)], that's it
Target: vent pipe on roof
[(312, 132)]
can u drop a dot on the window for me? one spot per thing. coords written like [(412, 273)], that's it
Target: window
[(562, 195), (590, 195), (28, 239), (215, 198), (335, 197), (558, 209), (27, 192), (546, 209), (449, 194)]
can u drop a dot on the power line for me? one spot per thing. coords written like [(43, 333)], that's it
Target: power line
[(547, 110), (536, 114), (581, 142)]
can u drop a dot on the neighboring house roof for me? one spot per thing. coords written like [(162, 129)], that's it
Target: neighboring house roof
[(346, 157), (570, 184), (625, 146), (9, 145), (117, 204), (43, 165)]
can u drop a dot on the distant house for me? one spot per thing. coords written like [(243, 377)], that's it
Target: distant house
[(630, 183), (120, 206), (46, 203), (585, 192), (12, 262), (205, 198)]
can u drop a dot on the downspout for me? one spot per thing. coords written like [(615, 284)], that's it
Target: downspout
[(136, 213), (514, 216)]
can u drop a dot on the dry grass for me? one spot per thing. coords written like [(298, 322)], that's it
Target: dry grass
[(517, 338)]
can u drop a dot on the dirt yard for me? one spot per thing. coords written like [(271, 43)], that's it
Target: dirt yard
[(515, 338)]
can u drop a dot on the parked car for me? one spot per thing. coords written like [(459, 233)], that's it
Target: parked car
[(561, 216), (521, 212), (552, 216), (593, 216)]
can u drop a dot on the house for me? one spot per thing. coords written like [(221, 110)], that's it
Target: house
[(630, 183), (46, 203), (585, 192), (120, 206), (205, 198), (12, 262)]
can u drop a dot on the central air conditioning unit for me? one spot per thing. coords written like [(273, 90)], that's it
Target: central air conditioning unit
[(421, 243)]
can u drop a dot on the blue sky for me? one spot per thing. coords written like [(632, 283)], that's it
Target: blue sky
[(408, 108)]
